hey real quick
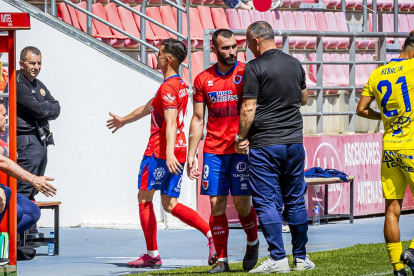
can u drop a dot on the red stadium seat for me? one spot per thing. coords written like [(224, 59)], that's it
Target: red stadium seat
[(128, 23), (301, 25), (340, 70), (245, 19), (309, 82), (296, 42), (279, 24), (82, 18), (332, 4), (411, 20), (333, 26), (387, 26), (256, 15), (103, 30), (233, 19), (195, 25), (168, 11), (155, 14), (329, 77), (206, 18), (220, 22), (291, 3), (219, 3), (63, 13), (196, 66), (361, 77), (241, 56), (151, 38), (369, 68), (404, 26), (312, 26), (331, 43), (405, 5), (386, 4), (113, 18)]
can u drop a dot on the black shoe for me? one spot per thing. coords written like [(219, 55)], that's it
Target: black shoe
[(219, 267), (400, 272), (4, 261), (251, 256), (407, 257)]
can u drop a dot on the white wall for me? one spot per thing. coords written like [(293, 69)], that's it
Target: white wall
[(96, 171)]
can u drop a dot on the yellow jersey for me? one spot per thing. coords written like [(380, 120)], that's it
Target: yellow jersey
[(392, 85)]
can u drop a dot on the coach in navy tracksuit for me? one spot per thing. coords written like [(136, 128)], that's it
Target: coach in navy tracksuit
[(274, 90)]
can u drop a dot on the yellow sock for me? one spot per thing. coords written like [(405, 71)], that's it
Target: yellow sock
[(412, 244), (394, 253)]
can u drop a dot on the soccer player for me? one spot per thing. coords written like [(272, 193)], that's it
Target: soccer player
[(392, 86), (163, 161), (219, 88)]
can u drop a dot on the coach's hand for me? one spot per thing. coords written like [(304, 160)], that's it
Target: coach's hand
[(192, 170), (173, 165), (116, 122), (242, 147)]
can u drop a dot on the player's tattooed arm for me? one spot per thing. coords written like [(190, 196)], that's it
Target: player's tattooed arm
[(364, 108), (196, 133), (117, 122)]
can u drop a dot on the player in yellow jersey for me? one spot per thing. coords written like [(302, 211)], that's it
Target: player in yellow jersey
[(392, 86)]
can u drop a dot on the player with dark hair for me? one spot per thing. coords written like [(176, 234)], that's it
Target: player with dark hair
[(162, 165), (392, 86), (219, 88)]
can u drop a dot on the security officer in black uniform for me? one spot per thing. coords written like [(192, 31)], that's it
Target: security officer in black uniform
[(35, 108)]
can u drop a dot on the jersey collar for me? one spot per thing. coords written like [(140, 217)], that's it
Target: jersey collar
[(398, 59), (228, 73), (173, 76)]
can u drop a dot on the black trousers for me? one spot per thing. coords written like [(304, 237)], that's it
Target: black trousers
[(31, 156)]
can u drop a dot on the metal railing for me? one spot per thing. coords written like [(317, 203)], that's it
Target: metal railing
[(319, 88), (142, 14)]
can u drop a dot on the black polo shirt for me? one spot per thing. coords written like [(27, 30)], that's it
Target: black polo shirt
[(275, 79)]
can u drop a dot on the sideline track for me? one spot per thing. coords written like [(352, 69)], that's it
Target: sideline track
[(105, 252)]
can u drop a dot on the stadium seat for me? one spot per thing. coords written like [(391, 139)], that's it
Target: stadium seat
[(103, 30), (309, 82), (196, 66), (233, 19), (245, 19), (113, 18), (195, 42), (333, 27), (322, 24), (279, 24), (196, 2), (359, 6), (405, 5), (128, 23), (67, 16), (241, 56), (256, 15), (387, 26), (340, 70), (269, 18), (331, 4), (404, 26), (312, 26), (150, 36), (411, 20), (291, 3), (195, 25), (220, 22), (206, 18), (386, 4), (208, 2), (82, 18), (299, 42), (328, 79), (360, 75), (369, 68), (219, 3), (155, 14), (301, 26), (359, 43)]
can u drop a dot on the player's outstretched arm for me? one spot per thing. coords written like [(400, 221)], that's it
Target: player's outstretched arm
[(364, 108), (117, 122), (40, 183), (196, 132), (170, 116)]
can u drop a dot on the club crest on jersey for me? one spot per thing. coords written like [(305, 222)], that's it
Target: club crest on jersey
[(237, 79), (210, 83), (398, 124), (205, 184), (42, 92)]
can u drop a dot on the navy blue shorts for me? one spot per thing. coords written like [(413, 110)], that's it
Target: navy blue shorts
[(234, 3), (224, 172), (154, 174)]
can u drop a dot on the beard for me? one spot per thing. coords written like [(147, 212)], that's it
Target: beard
[(230, 60)]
